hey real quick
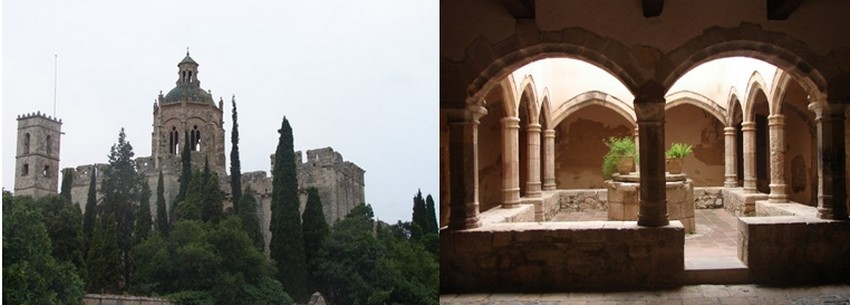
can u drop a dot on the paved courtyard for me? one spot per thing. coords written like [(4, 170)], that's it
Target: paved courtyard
[(713, 244), (699, 294)]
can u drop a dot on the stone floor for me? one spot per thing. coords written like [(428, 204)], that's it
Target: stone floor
[(699, 294), (715, 242)]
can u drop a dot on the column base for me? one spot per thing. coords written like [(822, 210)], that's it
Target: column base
[(549, 186), (829, 214), (777, 194), (653, 214), (533, 190)]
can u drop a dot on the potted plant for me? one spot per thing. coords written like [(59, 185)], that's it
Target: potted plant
[(620, 157), (675, 154)]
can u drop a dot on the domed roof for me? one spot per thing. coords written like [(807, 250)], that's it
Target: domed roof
[(188, 86), (190, 93)]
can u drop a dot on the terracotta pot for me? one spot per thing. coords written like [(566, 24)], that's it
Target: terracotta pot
[(674, 166), (627, 164)]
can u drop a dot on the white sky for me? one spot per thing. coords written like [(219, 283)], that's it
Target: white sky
[(360, 76)]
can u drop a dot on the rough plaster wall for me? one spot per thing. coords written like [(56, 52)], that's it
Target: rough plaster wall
[(579, 147), (798, 160), (691, 125), (490, 158)]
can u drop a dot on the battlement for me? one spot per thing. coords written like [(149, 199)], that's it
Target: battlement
[(82, 173), (38, 114)]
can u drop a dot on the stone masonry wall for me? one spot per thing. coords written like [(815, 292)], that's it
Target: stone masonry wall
[(583, 200), (708, 197), (104, 299), (794, 249), (561, 256)]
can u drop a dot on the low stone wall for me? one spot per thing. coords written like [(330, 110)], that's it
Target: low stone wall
[(708, 197), (521, 213), (794, 249), (561, 256), (765, 208), (739, 203), (106, 299), (583, 200)]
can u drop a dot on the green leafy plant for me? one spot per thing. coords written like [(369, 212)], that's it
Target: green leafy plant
[(618, 148), (679, 151)]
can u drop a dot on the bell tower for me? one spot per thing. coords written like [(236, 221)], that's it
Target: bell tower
[(37, 155)]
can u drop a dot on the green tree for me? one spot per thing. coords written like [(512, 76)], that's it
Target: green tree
[(91, 208), (104, 259), (67, 184), (287, 243), (31, 275), (212, 199), (420, 218), (430, 215), (162, 223), (191, 206), (185, 173), (63, 222), (315, 231), (121, 187), (207, 263), (144, 222), (363, 263), (248, 215), (235, 164)]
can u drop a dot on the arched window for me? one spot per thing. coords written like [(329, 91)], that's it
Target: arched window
[(27, 143), (49, 145), (174, 141), (196, 139)]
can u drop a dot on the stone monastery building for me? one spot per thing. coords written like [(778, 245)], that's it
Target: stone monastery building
[(530, 89), (187, 107)]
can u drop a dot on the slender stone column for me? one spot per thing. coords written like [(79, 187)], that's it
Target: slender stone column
[(510, 162), (832, 190), (776, 125), (463, 164), (749, 130), (649, 107), (549, 160), (637, 148), (532, 185), (731, 158)]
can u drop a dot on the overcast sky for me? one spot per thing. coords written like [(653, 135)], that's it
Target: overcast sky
[(360, 76)]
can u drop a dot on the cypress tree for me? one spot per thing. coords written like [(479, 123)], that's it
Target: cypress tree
[(212, 208), (419, 221), (431, 215), (91, 208), (161, 210), (121, 187), (315, 231), (103, 259), (143, 217), (67, 183), (235, 164), (186, 173), (287, 244), (248, 215)]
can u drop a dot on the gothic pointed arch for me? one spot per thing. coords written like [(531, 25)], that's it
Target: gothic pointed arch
[(594, 98), (698, 100), (755, 85)]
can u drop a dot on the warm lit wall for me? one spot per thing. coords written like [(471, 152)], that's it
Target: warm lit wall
[(490, 158), (579, 147), (692, 125)]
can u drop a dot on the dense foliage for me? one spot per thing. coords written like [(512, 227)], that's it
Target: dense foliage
[(618, 148), (363, 262), (91, 209), (207, 263), (287, 243), (31, 275), (248, 215)]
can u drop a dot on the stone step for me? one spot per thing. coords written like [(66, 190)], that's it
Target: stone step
[(715, 270)]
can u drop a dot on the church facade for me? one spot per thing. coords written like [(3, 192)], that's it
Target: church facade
[(186, 115)]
